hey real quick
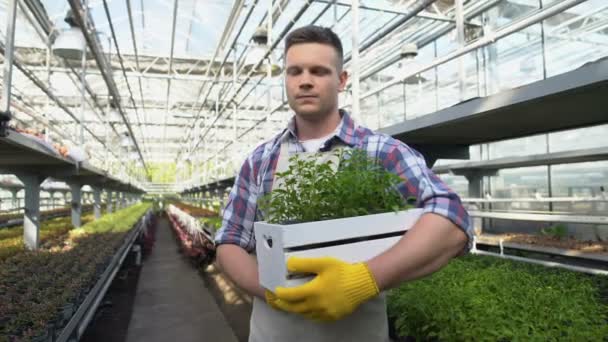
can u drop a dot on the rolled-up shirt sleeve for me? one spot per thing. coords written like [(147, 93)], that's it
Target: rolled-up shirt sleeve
[(239, 213), (432, 194)]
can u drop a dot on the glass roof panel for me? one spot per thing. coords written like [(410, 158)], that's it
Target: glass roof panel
[(199, 24), (572, 38)]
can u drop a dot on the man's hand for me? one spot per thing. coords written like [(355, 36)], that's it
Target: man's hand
[(337, 290)]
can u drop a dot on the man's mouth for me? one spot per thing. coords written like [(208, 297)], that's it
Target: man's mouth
[(304, 97)]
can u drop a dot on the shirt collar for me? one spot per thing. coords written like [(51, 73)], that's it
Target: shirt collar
[(345, 130)]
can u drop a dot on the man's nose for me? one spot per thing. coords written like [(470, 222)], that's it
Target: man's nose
[(306, 86), (305, 81)]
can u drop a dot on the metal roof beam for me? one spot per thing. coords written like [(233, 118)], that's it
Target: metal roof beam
[(170, 71), (288, 27), (52, 96), (92, 42), (236, 9), (141, 92), (36, 9)]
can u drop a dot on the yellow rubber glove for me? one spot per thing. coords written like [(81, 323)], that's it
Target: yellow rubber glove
[(337, 290), (271, 299)]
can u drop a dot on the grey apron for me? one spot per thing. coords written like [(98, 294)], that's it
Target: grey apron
[(368, 323)]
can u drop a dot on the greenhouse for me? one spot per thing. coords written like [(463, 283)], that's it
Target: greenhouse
[(304, 170)]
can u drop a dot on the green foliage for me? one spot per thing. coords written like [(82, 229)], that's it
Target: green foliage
[(36, 285), (162, 172), (214, 223), (478, 298), (51, 230), (216, 206), (194, 210), (558, 231), (316, 191)]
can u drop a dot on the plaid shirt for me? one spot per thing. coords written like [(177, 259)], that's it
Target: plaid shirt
[(257, 173)]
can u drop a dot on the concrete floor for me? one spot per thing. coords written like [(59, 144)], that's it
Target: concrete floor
[(172, 303)]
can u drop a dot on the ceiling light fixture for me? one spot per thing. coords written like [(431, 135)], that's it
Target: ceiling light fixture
[(258, 51), (70, 43)]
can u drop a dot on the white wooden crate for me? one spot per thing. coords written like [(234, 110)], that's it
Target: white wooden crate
[(343, 239)]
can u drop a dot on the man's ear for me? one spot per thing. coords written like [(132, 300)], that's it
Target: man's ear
[(343, 77)]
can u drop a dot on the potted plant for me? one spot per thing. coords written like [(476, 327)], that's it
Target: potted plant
[(351, 211)]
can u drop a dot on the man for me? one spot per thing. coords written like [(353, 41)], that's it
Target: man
[(344, 301)]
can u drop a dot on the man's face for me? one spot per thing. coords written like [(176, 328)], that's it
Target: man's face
[(312, 79)]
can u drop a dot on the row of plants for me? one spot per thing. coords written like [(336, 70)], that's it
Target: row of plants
[(45, 214), (41, 290), (555, 236), (52, 232), (193, 241), (481, 298), (150, 230), (208, 219), (195, 211), (211, 223)]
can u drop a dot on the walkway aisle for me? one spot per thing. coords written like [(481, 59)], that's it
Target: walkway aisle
[(172, 303)]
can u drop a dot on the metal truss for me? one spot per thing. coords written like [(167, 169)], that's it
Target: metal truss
[(207, 104)]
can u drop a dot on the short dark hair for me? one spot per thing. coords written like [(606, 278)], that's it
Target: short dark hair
[(315, 34)]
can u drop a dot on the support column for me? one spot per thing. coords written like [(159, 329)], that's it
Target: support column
[(76, 203), (475, 191), (9, 45), (226, 195), (52, 194), (475, 179), (462, 77), (65, 198), (475, 185), (109, 201), (218, 199), (355, 81), (117, 202), (493, 84), (15, 200), (97, 202), (31, 217), (123, 200)]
